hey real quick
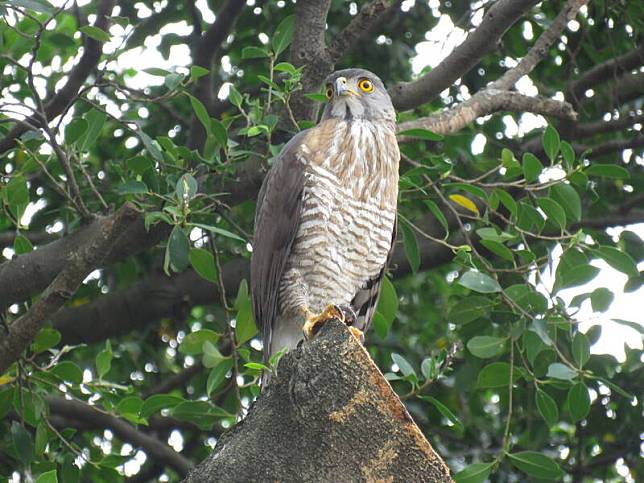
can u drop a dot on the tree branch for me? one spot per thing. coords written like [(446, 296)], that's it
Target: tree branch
[(327, 399), (61, 99), (487, 101), (604, 71), (22, 331), (369, 17), (309, 49), (92, 418), (480, 42)]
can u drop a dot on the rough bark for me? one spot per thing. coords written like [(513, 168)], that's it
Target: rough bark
[(328, 415)]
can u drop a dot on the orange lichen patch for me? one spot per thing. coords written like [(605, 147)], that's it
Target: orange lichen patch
[(377, 467), (341, 415)]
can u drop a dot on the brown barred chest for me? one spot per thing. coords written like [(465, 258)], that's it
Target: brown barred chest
[(348, 214)]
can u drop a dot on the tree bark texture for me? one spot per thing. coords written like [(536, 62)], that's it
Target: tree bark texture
[(329, 415)]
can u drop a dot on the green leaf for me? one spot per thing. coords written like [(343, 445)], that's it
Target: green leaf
[(186, 188), (75, 129), (204, 264), (633, 325), (532, 167), (474, 473), (45, 339), (607, 171), (496, 374), (201, 413), (172, 81), (130, 406), (617, 259), (218, 375), (139, 164), (283, 35), (498, 249), (568, 154), (157, 402), (547, 407), (218, 231), (104, 360), (157, 72), (506, 199), (380, 325), (553, 211), (388, 301), (192, 344), (421, 134), (533, 345), (131, 187), (211, 355), (197, 72), (16, 191), (567, 197), (528, 216), (536, 464), (578, 401), (485, 346), (22, 442), (479, 282), (469, 309), (201, 113), (219, 132), (254, 52), (551, 142), (557, 370), (234, 96), (405, 367), (22, 245), (95, 33), (245, 328), (445, 411), (41, 439), (580, 349), (411, 246), (68, 371), (152, 148), (436, 211), (178, 250)]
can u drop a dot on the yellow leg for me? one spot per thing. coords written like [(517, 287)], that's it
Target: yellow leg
[(313, 322)]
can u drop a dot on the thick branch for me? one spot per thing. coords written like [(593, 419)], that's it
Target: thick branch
[(93, 418), (309, 49), (604, 71), (480, 42), (22, 331), (328, 415), (369, 17), (487, 101), (61, 99), (7, 238), (540, 48)]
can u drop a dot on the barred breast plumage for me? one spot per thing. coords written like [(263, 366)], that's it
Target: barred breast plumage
[(347, 218)]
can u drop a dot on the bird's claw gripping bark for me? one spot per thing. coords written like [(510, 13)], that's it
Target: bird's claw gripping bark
[(314, 322)]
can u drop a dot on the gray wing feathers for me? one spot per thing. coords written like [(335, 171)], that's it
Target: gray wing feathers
[(277, 218)]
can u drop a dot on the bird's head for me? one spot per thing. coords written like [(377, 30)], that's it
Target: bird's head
[(357, 94)]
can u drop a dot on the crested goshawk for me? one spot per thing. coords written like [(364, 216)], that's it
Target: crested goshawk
[(326, 216)]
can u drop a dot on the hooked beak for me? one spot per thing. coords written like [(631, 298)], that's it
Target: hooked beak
[(342, 89)]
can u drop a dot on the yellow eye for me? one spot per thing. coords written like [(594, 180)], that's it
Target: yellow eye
[(365, 85), (329, 91)]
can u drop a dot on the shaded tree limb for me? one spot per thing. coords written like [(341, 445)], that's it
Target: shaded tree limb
[(7, 238), (487, 101), (606, 70), (327, 400), (480, 42), (92, 418), (367, 19), (59, 101), (540, 48), (308, 49), (22, 331)]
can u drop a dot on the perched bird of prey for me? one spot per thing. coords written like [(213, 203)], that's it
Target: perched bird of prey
[(326, 216)]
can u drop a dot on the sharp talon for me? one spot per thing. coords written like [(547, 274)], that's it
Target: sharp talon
[(358, 334), (314, 322), (350, 317)]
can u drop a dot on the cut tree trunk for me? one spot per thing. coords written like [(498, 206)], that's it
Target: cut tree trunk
[(329, 415)]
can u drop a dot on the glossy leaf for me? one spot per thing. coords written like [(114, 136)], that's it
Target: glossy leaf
[(485, 346), (547, 407), (536, 464), (479, 282), (578, 401)]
